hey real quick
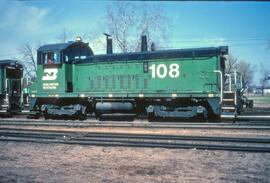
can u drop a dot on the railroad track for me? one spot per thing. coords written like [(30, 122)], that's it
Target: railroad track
[(137, 140), (258, 125)]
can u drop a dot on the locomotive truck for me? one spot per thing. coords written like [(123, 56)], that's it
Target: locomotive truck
[(177, 83)]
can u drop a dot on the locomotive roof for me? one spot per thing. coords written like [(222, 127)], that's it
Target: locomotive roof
[(53, 47), (5, 63), (59, 46), (161, 54)]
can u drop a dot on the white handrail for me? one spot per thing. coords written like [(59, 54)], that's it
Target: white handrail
[(221, 84), (6, 88), (235, 87), (230, 82)]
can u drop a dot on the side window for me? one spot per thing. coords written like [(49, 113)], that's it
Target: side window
[(76, 53)]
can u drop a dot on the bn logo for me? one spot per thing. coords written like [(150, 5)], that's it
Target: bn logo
[(50, 74)]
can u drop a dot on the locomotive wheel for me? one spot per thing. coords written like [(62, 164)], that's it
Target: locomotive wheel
[(6, 115), (214, 118), (82, 117), (33, 116), (46, 116), (151, 117), (98, 115)]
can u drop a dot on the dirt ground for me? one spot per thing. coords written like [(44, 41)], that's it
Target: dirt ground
[(34, 162)]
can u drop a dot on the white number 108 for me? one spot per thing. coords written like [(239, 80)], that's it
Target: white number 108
[(161, 70)]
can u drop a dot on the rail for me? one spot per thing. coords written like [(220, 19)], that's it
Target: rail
[(139, 140), (237, 125)]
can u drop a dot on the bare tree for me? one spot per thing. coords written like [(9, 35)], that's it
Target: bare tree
[(246, 70), (127, 22), (96, 39), (29, 59), (64, 36), (265, 76), (231, 63)]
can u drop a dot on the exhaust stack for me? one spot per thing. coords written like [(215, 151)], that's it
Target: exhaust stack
[(144, 43), (109, 43)]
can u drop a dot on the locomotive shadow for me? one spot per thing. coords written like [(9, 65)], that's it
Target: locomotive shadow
[(117, 118), (179, 120)]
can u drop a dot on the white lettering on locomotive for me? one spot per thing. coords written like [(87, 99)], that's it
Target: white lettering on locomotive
[(161, 70), (50, 74), (48, 86)]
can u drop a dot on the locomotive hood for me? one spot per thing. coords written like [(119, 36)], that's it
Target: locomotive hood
[(11, 63)]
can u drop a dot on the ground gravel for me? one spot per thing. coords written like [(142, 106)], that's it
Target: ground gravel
[(36, 162)]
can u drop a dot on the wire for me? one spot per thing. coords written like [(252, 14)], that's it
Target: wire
[(10, 53), (239, 42)]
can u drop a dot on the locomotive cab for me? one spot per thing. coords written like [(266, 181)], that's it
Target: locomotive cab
[(55, 64), (55, 72)]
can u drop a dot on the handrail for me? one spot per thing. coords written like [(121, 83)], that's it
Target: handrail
[(221, 84), (230, 82), (235, 85), (6, 94)]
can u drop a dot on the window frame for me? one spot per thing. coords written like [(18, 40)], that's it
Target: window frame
[(44, 60)]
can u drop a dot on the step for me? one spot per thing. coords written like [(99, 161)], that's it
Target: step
[(227, 116), (228, 107), (25, 111), (228, 92), (228, 100), (228, 95)]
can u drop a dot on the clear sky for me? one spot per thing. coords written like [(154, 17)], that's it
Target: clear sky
[(243, 26)]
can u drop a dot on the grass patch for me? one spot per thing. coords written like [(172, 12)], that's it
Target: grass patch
[(260, 99)]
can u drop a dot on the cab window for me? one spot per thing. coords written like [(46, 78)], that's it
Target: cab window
[(51, 58)]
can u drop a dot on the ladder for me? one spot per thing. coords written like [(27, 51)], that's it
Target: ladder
[(229, 99), (228, 105)]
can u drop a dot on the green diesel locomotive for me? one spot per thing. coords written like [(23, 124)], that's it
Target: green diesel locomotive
[(179, 83)]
